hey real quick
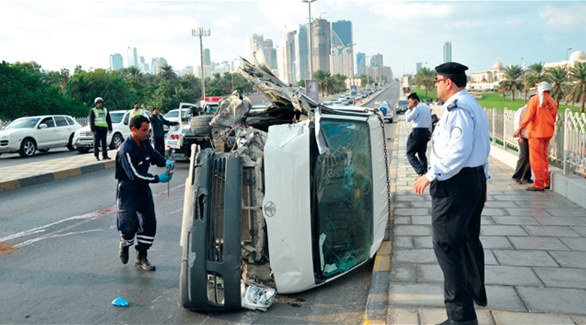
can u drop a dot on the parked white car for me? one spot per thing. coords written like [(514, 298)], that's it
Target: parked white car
[(26, 135), (83, 140), (173, 116)]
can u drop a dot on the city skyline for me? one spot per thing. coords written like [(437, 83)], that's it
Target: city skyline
[(481, 32)]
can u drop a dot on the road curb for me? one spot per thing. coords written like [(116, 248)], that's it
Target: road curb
[(377, 303), (56, 175)]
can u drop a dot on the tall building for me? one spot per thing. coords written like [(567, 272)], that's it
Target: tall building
[(157, 64), (256, 41), (270, 54), (341, 61), (132, 58), (301, 42), (282, 64), (235, 65), (207, 60), (116, 61), (142, 66), (360, 63), (376, 60), (321, 44), (417, 67), (188, 70), (447, 51), (341, 33)]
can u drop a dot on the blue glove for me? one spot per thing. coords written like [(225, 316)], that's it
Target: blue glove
[(163, 178), (169, 162)]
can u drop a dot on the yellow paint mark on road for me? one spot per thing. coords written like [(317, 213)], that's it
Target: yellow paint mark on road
[(382, 261), (60, 175), (9, 185), (74, 172)]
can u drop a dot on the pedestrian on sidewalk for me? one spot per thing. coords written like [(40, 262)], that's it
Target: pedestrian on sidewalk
[(419, 115), (157, 121), (523, 170), (458, 174), (136, 208), (539, 122), (100, 125)]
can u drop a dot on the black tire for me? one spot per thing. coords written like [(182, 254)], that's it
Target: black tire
[(43, 150), (70, 143), (83, 150), (391, 121), (116, 141), (28, 147), (201, 124)]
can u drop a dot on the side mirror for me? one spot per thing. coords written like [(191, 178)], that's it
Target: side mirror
[(43, 126)]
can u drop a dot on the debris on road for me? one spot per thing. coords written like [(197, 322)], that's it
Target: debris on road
[(119, 302)]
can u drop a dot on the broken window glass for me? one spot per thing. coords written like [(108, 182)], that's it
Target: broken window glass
[(343, 184)]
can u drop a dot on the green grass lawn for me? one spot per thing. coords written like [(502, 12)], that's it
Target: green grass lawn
[(496, 101)]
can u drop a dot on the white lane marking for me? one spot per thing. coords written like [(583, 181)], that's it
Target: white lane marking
[(34, 240)]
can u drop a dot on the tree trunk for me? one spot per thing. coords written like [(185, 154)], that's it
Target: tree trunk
[(582, 105), (513, 96), (425, 92), (503, 97), (525, 96)]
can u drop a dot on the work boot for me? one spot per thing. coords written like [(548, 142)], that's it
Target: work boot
[(142, 262), (123, 253)]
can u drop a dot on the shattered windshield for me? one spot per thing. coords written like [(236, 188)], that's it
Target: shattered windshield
[(343, 185)]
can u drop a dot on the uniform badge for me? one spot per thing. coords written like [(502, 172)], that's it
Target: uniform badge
[(456, 133)]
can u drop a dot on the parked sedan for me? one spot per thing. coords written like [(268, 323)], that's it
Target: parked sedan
[(26, 135)]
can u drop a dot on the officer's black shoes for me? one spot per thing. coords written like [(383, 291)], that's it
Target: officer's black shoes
[(97, 158), (453, 322), (142, 262), (123, 253), (106, 158)]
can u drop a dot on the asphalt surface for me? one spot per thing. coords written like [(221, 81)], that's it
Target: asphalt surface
[(59, 263)]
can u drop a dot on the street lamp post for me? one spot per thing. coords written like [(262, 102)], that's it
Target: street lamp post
[(310, 40), (521, 62), (352, 83), (201, 32), (366, 64), (569, 48)]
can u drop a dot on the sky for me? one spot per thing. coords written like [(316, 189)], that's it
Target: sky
[(62, 34)]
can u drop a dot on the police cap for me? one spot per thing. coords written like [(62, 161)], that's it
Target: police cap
[(451, 69)]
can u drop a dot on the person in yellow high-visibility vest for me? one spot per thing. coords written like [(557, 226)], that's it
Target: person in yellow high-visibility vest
[(100, 125), (136, 110)]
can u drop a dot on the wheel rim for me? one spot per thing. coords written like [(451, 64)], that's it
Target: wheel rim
[(117, 141), (29, 148)]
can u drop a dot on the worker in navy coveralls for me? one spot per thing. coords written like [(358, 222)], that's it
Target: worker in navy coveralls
[(420, 117), (458, 174), (136, 209)]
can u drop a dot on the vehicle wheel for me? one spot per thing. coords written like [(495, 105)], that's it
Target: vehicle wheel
[(70, 143), (83, 150), (27, 148), (116, 141), (43, 150), (201, 124), (391, 121)]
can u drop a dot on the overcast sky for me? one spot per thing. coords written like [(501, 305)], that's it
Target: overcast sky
[(63, 34)]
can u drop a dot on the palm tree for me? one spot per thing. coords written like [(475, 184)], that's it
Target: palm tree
[(576, 91), (167, 73), (321, 77), (534, 76), (557, 77), (425, 78), (512, 82)]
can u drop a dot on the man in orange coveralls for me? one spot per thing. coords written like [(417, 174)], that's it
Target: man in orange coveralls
[(539, 120)]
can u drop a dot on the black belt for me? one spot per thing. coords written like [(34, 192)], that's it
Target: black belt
[(471, 169), (415, 129)]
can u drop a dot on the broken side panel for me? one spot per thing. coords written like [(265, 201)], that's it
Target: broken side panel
[(344, 197), (211, 233), (287, 206)]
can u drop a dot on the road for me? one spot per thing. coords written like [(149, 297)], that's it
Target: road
[(59, 263)]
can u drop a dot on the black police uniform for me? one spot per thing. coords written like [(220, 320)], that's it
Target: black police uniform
[(136, 209)]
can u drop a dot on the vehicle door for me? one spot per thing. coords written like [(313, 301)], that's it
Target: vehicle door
[(125, 129), (63, 130), (49, 136)]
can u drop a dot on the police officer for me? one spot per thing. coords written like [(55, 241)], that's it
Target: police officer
[(136, 209), (458, 174), (136, 110), (158, 132), (100, 125), (420, 117)]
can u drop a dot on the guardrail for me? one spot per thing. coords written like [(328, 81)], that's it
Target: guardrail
[(567, 146)]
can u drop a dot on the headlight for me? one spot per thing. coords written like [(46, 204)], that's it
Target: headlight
[(8, 136)]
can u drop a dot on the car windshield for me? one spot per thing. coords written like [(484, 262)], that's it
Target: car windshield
[(23, 123), (172, 114), (403, 103), (343, 186), (211, 108), (116, 117)]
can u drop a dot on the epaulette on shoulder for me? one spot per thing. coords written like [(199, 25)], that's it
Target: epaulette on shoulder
[(453, 105)]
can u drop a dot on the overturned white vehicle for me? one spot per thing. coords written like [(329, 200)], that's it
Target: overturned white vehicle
[(292, 196)]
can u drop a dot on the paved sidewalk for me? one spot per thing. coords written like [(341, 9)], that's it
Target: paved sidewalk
[(535, 252), (14, 177)]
